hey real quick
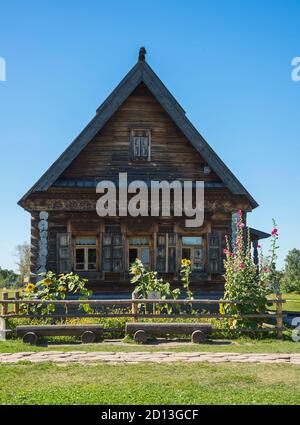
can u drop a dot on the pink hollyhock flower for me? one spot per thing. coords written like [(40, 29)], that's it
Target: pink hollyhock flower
[(241, 225), (240, 213), (225, 251), (233, 254), (265, 270), (274, 232), (242, 266)]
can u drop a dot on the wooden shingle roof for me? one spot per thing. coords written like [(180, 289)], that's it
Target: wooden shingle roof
[(141, 72)]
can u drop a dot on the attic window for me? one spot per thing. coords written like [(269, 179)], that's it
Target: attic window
[(140, 141)]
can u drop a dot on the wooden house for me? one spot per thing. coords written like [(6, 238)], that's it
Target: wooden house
[(141, 130)]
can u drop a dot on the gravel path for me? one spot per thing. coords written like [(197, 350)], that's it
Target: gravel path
[(155, 357)]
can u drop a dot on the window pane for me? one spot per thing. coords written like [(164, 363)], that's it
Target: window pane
[(117, 252), (133, 253), (117, 239), (80, 255), (214, 266), (161, 252), (144, 146), (197, 266), (198, 253), (139, 241), (172, 239), (172, 259), (79, 266), (106, 239), (86, 240), (145, 256), (161, 265), (136, 146), (192, 240), (117, 265), (64, 253), (92, 256), (214, 253), (107, 265), (107, 252), (92, 266), (186, 253), (161, 239)]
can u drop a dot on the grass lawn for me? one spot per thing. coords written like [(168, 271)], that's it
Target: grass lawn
[(179, 383), (242, 345), (292, 302)]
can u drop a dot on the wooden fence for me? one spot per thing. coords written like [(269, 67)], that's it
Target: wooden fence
[(136, 315)]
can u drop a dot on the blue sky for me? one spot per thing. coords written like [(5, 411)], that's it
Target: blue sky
[(228, 63)]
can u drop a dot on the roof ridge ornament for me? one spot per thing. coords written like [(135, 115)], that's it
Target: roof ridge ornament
[(142, 54)]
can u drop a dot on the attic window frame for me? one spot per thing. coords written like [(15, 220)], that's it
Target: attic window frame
[(133, 129)]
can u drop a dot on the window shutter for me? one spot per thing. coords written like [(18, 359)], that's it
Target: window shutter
[(161, 252), (112, 252), (214, 257), (64, 252), (172, 252)]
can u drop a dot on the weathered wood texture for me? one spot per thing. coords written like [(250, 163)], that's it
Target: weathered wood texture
[(172, 155), (161, 329), (59, 330)]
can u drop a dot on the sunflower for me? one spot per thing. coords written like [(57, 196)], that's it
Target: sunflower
[(46, 282), (30, 287), (185, 262), (62, 289)]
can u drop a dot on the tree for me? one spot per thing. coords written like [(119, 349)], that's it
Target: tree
[(291, 279), (23, 263), (8, 278)]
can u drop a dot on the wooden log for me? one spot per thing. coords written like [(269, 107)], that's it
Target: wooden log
[(198, 337), (88, 337), (59, 330), (140, 337), (162, 329), (30, 338)]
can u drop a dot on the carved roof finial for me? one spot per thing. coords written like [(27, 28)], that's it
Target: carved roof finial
[(142, 54)]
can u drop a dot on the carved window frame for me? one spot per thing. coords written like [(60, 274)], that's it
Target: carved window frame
[(136, 141)]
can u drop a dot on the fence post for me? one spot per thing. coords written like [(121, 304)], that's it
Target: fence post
[(134, 306), (17, 305), (279, 317), (5, 306)]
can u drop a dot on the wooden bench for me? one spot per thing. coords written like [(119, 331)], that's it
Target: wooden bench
[(141, 331), (31, 333)]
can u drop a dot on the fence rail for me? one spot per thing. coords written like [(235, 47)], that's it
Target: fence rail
[(136, 315)]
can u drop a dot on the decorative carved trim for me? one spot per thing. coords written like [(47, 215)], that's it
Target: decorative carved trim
[(43, 243), (221, 205)]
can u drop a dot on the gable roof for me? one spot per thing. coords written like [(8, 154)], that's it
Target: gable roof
[(141, 72)]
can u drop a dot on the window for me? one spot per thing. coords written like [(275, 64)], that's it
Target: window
[(139, 247), (85, 253), (193, 250), (166, 252), (140, 144)]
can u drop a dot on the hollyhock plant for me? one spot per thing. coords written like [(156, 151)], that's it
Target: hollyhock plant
[(244, 280)]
